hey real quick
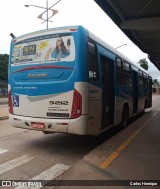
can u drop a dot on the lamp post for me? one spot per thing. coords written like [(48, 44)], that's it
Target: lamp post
[(121, 46), (46, 11)]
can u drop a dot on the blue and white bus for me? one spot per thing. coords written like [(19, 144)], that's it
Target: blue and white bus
[(68, 80)]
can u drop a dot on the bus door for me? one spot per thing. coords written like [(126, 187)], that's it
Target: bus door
[(135, 92), (107, 80)]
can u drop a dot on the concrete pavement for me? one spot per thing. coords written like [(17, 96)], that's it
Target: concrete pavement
[(3, 100), (128, 159), (3, 108)]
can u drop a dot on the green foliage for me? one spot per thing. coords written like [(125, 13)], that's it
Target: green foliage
[(4, 66), (143, 63), (155, 81)]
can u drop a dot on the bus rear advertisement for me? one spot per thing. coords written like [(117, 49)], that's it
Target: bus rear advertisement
[(68, 80)]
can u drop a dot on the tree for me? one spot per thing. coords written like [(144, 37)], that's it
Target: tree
[(143, 63), (155, 81), (4, 66)]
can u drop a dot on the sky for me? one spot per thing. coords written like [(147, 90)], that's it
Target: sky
[(18, 19)]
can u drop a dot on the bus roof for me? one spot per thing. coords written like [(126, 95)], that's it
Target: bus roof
[(46, 31)]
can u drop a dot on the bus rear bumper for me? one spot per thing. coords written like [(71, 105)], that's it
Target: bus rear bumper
[(75, 126)]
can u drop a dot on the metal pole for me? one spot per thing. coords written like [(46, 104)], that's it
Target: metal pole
[(47, 12)]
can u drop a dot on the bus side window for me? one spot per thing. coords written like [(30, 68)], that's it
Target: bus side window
[(141, 79), (123, 73), (93, 62), (145, 80), (119, 66), (127, 74)]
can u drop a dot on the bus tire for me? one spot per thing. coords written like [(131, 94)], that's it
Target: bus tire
[(125, 115)]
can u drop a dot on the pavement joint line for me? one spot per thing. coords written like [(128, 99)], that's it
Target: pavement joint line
[(105, 164)]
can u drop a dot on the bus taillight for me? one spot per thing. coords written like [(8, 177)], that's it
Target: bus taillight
[(10, 105), (77, 105)]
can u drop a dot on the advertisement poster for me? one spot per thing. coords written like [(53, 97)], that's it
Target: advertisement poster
[(44, 49)]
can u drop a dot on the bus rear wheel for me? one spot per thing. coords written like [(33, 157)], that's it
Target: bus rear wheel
[(125, 115)]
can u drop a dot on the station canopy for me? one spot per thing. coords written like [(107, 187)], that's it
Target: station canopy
[(140, 21)]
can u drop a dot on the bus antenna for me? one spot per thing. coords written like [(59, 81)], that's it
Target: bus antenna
[(12, 35)]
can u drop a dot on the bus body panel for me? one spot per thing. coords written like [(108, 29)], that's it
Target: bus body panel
[(48, 106), (45, 85), (94, 109), (76, 126), (51, 124), (52, 94)]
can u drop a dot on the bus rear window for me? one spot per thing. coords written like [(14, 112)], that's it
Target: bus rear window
[(44, 49)]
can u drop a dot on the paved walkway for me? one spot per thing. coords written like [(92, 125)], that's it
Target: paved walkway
[(3, 113), (120, 163), (129, 159), (3, 108)]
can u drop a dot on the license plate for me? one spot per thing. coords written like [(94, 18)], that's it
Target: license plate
[(37, 125)]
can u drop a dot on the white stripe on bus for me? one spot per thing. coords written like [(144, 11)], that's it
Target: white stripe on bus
[(48, 175), (14, 163)]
